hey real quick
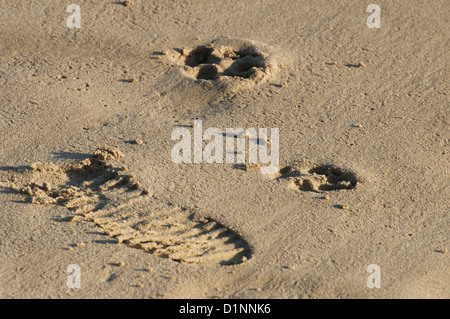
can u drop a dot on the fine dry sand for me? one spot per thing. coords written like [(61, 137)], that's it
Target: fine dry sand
[(86, 175)]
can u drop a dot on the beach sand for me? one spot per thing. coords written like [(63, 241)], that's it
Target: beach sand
[(87, 178)]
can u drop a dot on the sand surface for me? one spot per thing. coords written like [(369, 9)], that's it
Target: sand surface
[(87, 178)]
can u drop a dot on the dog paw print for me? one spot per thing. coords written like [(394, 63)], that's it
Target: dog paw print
[(319, 178), (226, 60)]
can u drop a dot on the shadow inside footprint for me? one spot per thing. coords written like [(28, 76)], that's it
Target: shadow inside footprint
[(245, 66), (201, 55)]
